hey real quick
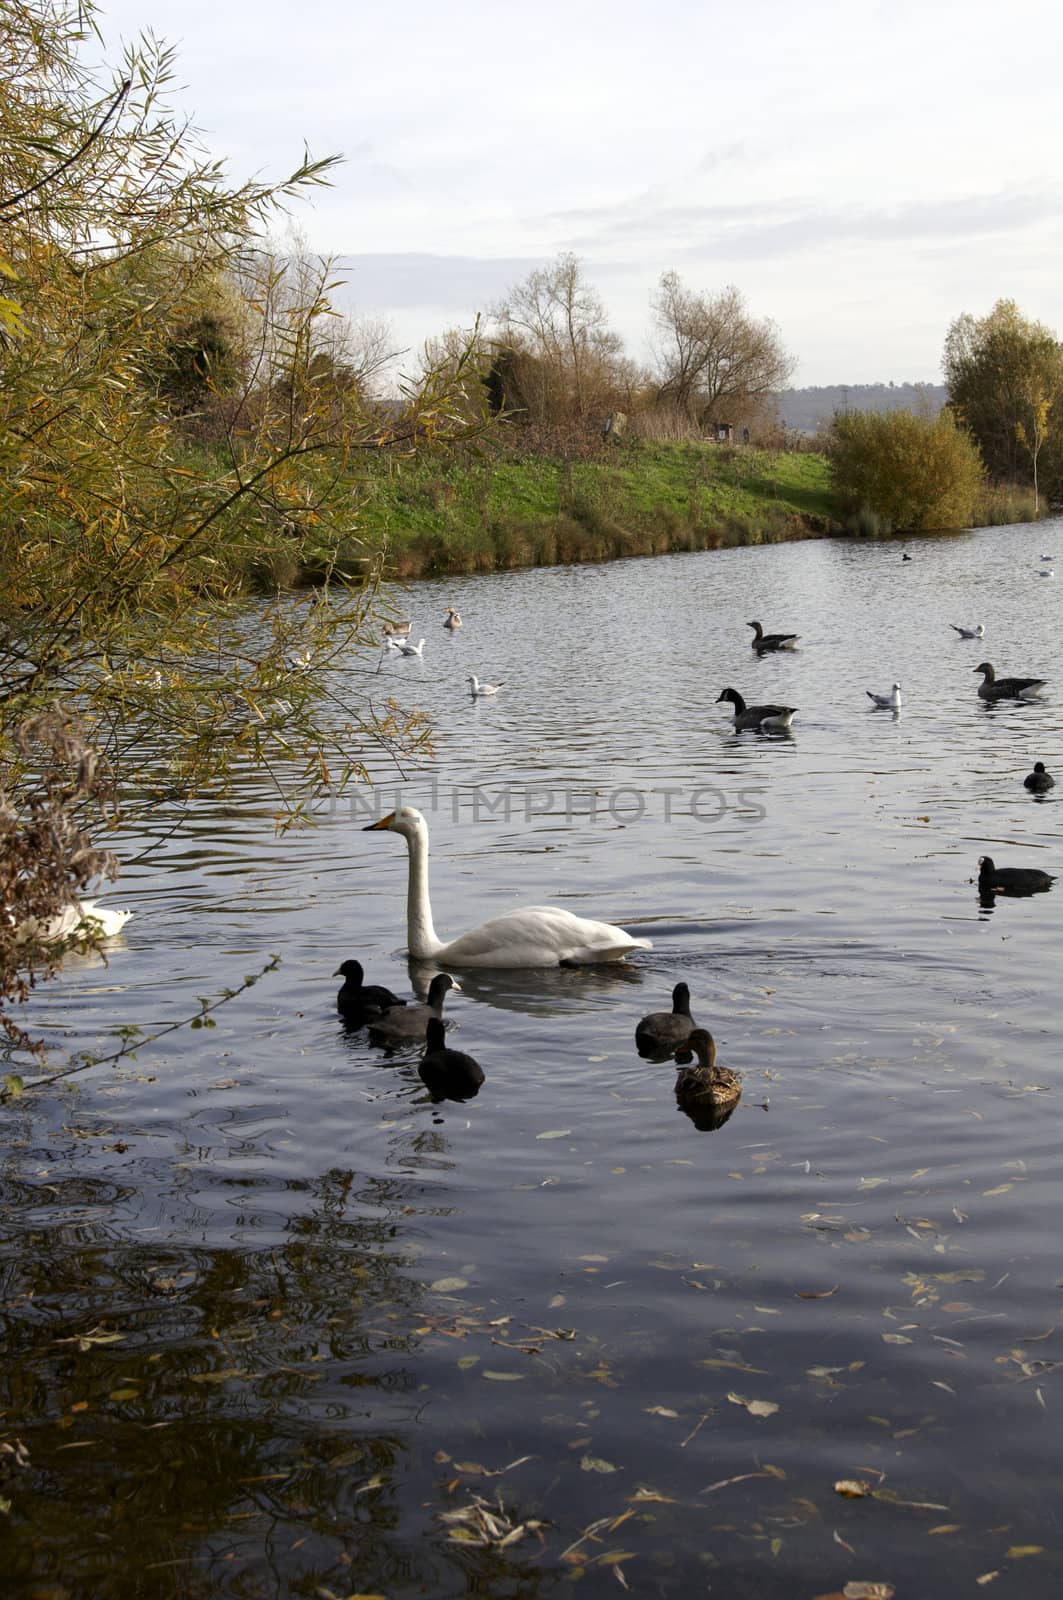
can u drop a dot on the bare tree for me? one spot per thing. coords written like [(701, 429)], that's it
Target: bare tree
[(559, 320), (712, 355)]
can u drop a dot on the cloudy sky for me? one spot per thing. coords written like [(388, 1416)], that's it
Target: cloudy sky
[(863, 172)]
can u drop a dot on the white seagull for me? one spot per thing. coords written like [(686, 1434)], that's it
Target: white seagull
[(969, 633), (410, 649), (886, 702), (478, 689)]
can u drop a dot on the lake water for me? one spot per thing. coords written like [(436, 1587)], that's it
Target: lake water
[(272, 1316)]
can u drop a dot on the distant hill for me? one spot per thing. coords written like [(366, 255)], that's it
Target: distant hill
[(805, 410)]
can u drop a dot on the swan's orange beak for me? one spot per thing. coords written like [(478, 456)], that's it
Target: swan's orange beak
[(385, 822)]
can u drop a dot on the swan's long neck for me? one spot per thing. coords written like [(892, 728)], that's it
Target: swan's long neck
[(420, 934)]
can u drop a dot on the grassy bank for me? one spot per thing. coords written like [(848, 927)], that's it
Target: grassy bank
[(479, 515), (455, 513)]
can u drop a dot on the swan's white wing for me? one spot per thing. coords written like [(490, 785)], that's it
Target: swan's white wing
[(539, 936), (84, 916)]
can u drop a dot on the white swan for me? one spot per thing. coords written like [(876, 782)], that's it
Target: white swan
[(886, 702), (534, 936), (477, 689), (81, 917)]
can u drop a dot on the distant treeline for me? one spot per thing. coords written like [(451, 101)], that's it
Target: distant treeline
[(807, 410)]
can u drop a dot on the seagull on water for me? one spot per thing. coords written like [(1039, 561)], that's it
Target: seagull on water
[(478, 689), (886, 702)]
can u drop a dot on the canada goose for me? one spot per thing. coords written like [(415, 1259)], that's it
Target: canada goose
[(763, 642), (767, 719), (362, 1002), (405, 1024), (969, 633), (662, 1031), (1038, 781), (448, 1074), (534, 936), (886, 702), (994, 688), (994, 880)]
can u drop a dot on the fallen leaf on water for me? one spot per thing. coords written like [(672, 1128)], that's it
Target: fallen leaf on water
[(724, 1483), (852, 1488), (659, 1411), (987, 1577), (869, 1591), (596, 1464), (857, 1236), (124, 1394), (946, 1527), (816, 1294), (558, 1300), (465, 1362), (844, 1544), (756, 1408), (892, 1498), (97, 1335), (736, 1366), (555, 1133), (651, 1494), (222, 1375), (449, 1285), (502, 1377), (896, 1338), (1017, 1551), (1001, 1188)]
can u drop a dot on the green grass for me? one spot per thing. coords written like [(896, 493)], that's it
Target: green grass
[(476, 514)]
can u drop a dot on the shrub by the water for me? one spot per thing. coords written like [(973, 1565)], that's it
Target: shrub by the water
[(907, 472)]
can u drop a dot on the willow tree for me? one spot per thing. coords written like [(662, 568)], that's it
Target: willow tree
[(124, 552)]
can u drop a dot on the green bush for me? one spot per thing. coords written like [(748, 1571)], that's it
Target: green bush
[(906, 471)]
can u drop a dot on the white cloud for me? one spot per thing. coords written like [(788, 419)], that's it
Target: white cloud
[(862, 173)]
